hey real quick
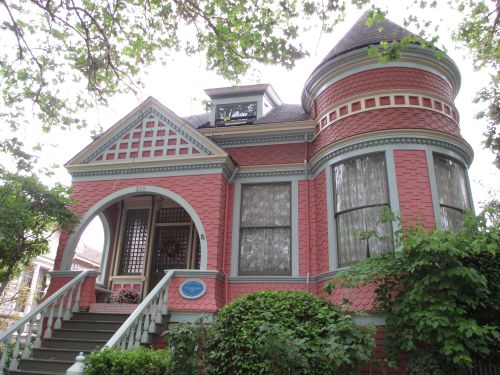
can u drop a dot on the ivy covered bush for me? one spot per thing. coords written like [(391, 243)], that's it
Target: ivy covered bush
[(138, 361), (286, 332), (441, 293)]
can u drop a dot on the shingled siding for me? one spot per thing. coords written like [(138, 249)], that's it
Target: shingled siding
[(267, 154), (210, 302), (384, 119), (414, 189), (381, 79)]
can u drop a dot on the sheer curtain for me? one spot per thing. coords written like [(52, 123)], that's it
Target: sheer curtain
[(453, 192), (265, 235), (361, 194)]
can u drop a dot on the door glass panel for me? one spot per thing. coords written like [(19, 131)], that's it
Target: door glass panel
[(173, 215), (135, 240)]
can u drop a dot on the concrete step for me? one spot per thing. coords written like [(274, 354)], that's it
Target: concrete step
[(47, 365), (58, 354), (93, 325), (99, 317), (83, 334), (74, 344), (26, 372)]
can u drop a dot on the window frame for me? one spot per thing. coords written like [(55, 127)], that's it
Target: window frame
[(468, 196), (336, 213), (235, 120), (290, 227)]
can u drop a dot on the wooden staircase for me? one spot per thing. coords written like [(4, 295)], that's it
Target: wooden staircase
[(85, 332)]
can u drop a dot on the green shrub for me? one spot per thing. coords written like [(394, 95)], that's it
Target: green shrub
[(188, 346), (286, 332), (138, 361), (440, 293)]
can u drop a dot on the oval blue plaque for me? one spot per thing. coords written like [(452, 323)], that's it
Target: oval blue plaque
[(192, 289)]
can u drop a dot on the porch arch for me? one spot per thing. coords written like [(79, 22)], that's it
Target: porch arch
[(96, 209)]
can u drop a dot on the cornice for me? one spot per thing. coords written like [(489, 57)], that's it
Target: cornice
[(391, 137), (254, 129), (147, 163), (277, 170), (148, 170), (269, 139)]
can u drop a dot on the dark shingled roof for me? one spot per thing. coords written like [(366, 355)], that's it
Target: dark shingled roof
[(360, 36), (282, 113)]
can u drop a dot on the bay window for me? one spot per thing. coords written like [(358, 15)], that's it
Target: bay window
[(361, 195), (453, 192), (265, 229)]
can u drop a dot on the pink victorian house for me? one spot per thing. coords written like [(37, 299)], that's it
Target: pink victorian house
[(258, 194)]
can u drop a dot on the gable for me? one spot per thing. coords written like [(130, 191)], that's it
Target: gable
[(151, 137), (150, 132)]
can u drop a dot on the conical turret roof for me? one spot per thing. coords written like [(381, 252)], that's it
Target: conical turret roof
[(360, 36)]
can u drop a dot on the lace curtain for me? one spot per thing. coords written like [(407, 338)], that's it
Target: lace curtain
[(452, 190), (361, 194), (265, 236)]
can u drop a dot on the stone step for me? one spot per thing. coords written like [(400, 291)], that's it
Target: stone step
[(47, 365), (27, 372), (99, 317), (74, 344), (83, 334), (58, 354), (92, 325)]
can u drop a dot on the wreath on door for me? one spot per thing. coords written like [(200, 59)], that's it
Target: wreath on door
[(171, 248)]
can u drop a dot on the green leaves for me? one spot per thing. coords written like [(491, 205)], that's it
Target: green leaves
[(278, 332), (440, 293), (29, 214), (138, 361)]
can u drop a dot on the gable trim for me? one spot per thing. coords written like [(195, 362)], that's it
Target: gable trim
[(149, 107)]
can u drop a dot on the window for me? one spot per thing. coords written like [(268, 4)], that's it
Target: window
[(453, 192), (361, 195), (265, 229), (236, 113)]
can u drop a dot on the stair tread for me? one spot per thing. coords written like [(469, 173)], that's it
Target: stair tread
[(85, 329), (95, 321), (35, 372), (86, 340), (61, 350), (51, 360)]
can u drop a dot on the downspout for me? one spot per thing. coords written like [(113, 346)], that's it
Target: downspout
[(308, 239), (224, 247)]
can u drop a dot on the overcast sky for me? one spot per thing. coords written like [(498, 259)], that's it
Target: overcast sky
[(180, 85)]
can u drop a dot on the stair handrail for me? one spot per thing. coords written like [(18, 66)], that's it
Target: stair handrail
[(66, 303), (136, 329)]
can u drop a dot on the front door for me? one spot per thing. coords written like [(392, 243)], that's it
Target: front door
[(170, 251)]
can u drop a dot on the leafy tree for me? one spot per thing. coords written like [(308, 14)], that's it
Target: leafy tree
[(440, 293), (30, 213), (102, 46)]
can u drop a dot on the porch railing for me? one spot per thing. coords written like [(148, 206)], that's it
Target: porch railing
[(136, 329), (58, 307)]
